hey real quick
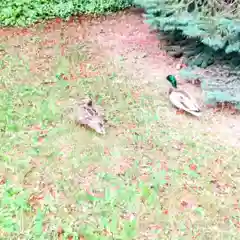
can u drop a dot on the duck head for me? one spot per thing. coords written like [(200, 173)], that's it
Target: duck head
[(172, 79)]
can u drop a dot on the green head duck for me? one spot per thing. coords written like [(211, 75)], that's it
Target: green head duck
[(172, 79)]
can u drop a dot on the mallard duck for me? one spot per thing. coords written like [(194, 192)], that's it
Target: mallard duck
[(181, 99), (84, 112)]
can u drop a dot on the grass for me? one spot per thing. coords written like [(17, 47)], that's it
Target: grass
[(151, 177)]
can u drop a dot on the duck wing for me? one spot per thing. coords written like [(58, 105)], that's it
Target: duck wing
[(183, 100), (188, 101)]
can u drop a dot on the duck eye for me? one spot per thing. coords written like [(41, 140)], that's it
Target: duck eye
[(89, 103)]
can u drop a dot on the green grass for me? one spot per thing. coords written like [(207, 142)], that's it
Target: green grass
[(129, 184)]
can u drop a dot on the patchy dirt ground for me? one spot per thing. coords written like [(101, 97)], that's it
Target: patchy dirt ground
[(127, 41), (124, 40), (175, 175)]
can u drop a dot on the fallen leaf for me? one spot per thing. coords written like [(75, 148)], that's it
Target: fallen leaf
[(193, 167), (106, 151), (2, 180), (165, 212)]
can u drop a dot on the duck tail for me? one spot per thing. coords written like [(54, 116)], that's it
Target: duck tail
[(195, 113)]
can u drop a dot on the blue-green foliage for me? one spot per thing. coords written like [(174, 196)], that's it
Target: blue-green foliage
[(25, 12), (217, 29), (205, 36)]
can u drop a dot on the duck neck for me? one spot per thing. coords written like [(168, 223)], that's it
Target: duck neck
[(170, 90)]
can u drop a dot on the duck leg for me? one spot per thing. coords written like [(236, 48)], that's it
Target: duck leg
[(180, 111)]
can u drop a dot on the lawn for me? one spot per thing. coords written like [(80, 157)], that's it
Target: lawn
[(152, 176)]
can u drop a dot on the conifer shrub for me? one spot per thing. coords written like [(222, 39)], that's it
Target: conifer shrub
[(214, 23), (26, 12), (204, 33)]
